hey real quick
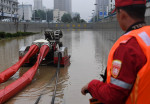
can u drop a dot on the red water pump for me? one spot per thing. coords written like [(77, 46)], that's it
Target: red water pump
[(53, 38)]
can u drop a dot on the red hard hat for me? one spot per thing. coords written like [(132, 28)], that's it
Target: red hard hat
[(122, 3)]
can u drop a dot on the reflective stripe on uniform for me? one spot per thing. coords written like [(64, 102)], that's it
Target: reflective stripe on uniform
[(120, 83), (145, 38)]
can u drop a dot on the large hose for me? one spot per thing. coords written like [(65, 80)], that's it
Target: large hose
[(58, 69), (12, 89), (6, 74)]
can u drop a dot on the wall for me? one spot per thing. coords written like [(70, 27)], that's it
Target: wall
[(39, 27)]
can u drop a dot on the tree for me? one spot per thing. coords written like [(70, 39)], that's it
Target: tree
[(42, 15), (77, 18), (66, 18), (49, 15), (83, 21)]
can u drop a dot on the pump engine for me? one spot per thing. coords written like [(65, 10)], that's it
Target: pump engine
[(53, 38)]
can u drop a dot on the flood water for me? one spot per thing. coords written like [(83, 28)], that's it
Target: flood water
[(88, 49)]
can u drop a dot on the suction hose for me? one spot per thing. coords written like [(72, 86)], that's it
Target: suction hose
[(12, 89), (6, 74)]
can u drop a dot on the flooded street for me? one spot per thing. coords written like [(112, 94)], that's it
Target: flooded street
[(88, 49)]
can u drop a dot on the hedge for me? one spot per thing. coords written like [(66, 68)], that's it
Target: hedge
[(8, 35)]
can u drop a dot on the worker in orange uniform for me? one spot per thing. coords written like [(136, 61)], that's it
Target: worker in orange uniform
[(128, 66)]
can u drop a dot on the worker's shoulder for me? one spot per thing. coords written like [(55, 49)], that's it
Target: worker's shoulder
[(133, 39), (129, 41), (129, 47), (129, 44)]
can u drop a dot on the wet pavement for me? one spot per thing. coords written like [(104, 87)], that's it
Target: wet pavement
[(88, 49)]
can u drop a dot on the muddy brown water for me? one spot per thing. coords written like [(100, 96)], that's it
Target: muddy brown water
[(88, 49)]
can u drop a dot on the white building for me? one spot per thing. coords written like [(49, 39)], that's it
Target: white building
[(38, 5), (57, 14), (63, 5), (9, 9), (25, 12), (148, 9), (111, 5)]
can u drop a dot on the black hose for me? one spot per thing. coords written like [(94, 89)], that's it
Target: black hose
[(56, 75), (58, 69), (38, 99)]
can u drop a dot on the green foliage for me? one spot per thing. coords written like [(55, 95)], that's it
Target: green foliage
[(42, 15), (66, 18), (15, 35), (49, 16), (83, 21), (77, 18), (8, 35), (2, 34)]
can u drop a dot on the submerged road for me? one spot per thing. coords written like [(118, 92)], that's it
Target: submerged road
[(88, 49)]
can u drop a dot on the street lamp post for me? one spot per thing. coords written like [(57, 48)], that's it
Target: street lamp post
[(93, 15), (46, 15), (58, 16), (97, 11), (34, 15), (22, 11), (11, 10), (2, 10)]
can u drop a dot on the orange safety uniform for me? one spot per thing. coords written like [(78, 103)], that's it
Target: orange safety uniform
[(140, 91)]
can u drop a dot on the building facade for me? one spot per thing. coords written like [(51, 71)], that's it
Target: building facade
[(9, 10), (38, 5), (25, 12), (101, 8), (148, 8), (111, 5), (57, 14), (63, 5)]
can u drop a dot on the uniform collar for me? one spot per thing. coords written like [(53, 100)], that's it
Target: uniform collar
[(137, 25)]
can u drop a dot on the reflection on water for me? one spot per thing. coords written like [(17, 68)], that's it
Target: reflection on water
[(88, 49)]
